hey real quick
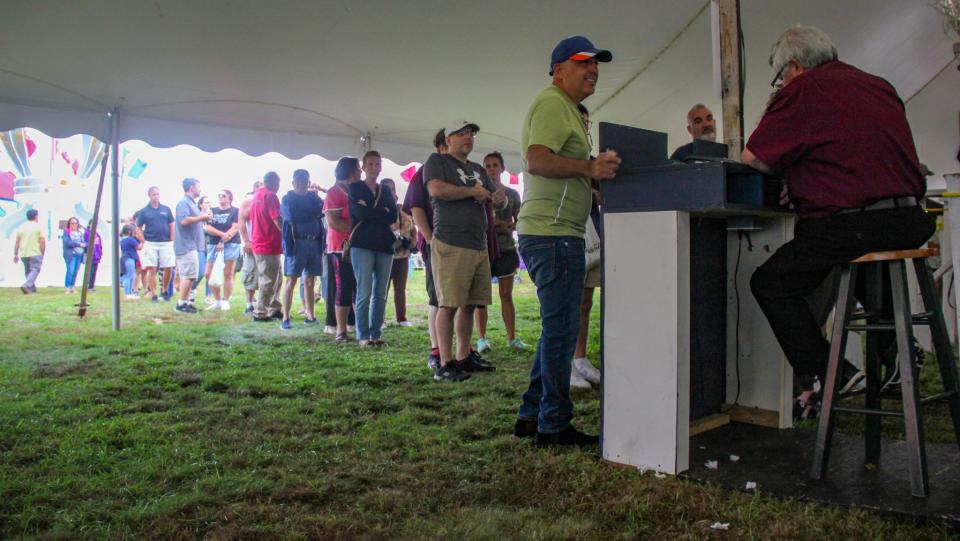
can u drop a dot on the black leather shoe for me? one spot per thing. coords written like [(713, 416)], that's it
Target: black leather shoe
[(525, 429), (567, 436)]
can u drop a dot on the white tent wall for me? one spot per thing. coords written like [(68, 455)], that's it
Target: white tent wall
[(299, 76), (937, 109)]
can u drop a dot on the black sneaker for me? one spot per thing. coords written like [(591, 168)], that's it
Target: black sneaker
[(480, 361), (342, 337), (248, 311), (853, 380), (450, 372), (806, 409), (154, 299), (433, 360), (567, 436), (471, 364), (524, 429), (186, 309), (166, 298)]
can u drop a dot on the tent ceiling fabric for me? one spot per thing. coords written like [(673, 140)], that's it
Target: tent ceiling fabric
[(307, 77)]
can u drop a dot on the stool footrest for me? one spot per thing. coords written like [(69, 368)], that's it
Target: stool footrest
[(922, 318), (867, 411), (871, 327)]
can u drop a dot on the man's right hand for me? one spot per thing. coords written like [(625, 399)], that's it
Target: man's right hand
[(247, 248), (785, 198), (480, 194), (605, 166)]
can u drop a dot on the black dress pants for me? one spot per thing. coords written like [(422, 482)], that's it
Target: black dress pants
[(781, 284)]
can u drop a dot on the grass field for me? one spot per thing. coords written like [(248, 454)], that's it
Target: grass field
[(212, 426)]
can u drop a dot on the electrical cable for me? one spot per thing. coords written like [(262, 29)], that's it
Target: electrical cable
[(736, 335), (743, 77)]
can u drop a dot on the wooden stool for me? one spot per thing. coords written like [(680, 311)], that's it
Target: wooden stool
[(906, 362)]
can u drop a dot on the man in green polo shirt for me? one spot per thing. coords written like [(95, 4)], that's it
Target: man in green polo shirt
[(552, 222), (29, 248)]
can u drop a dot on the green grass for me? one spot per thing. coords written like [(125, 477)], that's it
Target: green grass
[(211, 426)]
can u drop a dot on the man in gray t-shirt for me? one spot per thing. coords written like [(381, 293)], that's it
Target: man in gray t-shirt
[(458, 222), (188, 241), (458, 190)]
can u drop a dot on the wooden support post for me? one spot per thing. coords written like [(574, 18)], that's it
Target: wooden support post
[(731, 89)]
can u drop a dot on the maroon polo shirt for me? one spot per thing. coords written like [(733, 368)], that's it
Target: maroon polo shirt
[(840, 138)]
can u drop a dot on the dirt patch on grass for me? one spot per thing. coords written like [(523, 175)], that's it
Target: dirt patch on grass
[(63, 370), (186, 378)]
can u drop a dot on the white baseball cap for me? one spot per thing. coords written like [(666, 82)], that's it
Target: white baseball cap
[(459, 125)]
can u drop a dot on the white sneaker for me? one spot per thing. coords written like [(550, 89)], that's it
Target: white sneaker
[(214, 306), (577, 381), (224, 305), (405, 323), (210, 300), (132, 297), (329, 329), (587, 370)]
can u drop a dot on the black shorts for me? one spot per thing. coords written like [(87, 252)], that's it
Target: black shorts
[(431, 289), (505, 265)]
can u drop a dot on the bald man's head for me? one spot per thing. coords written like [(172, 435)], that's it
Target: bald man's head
[(700, 123)]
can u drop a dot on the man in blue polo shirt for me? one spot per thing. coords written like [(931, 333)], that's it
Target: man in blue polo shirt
[(156, 221)]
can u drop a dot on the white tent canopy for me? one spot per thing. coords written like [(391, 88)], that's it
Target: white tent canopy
[(314, 77)]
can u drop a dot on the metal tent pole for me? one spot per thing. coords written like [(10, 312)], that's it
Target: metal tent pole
[(115, 214)]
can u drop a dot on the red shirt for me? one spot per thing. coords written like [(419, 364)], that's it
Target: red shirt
[(337, 200), (265, 237), (840, 138)]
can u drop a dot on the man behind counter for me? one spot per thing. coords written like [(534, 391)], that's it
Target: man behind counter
[(701, 126), (840, 138)]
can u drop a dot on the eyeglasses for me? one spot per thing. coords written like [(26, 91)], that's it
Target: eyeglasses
[(778, 78), (221, 195)]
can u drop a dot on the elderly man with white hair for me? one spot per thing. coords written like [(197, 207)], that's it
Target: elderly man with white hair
[(840, 138)]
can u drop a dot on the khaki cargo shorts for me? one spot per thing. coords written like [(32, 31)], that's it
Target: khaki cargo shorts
[(461, 275)]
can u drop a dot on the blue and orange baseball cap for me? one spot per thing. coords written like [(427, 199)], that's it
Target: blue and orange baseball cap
[(577, 48)]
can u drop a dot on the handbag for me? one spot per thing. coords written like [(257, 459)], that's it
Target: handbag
[(345, 246), (216, 274), (591, 241)]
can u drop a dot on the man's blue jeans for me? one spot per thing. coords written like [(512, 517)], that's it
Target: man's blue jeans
[(557, 266), (372, 271)]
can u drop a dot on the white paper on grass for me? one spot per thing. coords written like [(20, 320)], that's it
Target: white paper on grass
[(720, 526), (712, 464), (751, 485)]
